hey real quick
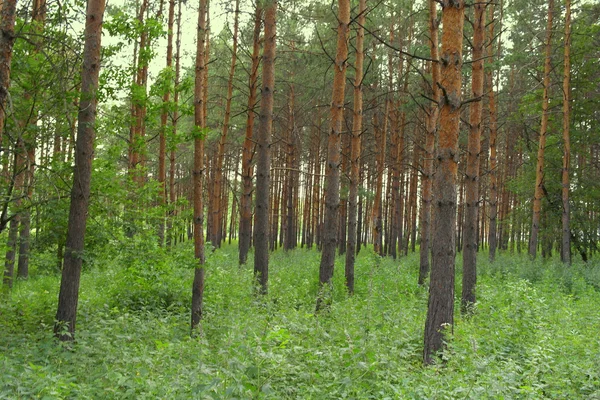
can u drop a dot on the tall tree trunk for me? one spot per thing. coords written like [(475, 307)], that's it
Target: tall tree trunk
[(376, 216), (429, 146), (172, 154), (248, 150), (539, 169), (355, 149), (162, 172), (565, 253), (216, 211), (18, 175), (7, 40), (198, 172), (492, 236), (290, 173), (316, 194), (66, 313), (440, 310), (469, 250), (263, 143), (332, 178)]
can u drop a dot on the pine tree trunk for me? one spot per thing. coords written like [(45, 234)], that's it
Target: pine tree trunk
[(355, 150), (198, 172), (566, 229), (172, 154), (539, 169), (493, 176), (66, 313), (248, 151), (332, 173), (469, 250), (263, 151), (162, 172), (440, 310), (429, 147), (7, 40)]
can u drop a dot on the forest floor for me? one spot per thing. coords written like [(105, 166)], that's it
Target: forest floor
[(534, 333)]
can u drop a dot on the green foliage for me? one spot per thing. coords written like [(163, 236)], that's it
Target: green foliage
[(531, 336)]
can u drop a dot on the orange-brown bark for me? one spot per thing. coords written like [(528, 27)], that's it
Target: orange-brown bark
[(440, 311)]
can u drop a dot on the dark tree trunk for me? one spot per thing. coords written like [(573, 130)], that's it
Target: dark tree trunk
[(332, 176), (66, 314), (355, 150), (198, 172), (469, 250), (248, 151), (429, 147)]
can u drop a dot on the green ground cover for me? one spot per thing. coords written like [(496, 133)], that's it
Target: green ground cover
[(534, 333)]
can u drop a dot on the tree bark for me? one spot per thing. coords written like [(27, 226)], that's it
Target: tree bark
[(539, 169), (248, 150), (199, 171), (332, 175), (355, 149), (7, 40), (263, 143), (162, 147), (66, 314), (469, 250), (566, 228), (429, 146), (217, 212), (492, 235), (440, 310)]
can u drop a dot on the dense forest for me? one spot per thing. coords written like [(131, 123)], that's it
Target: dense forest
[(367, 199)]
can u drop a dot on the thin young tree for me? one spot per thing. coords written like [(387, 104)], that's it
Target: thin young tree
[(66, 315), (440, 309), (263, 151), (539, 169), (355, 147), (469, 252), (332, 172), (198, 172), (566, 228)]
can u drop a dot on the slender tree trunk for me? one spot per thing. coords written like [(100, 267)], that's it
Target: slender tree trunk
[(248, 150), (429, 146), (263, 143), (355, 150), (539, 170), (469, 250), (290, 163), (162, 172), (440, 310), (376, 216), (172, 154), (66, 314), (493, 176), (199, 172), (316, 194), (216, 211), (566, 229), (332, 178)]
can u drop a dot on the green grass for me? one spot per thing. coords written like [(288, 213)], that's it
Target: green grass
[(534, 334)]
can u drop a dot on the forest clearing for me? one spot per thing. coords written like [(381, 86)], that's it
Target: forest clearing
[(300, 199)]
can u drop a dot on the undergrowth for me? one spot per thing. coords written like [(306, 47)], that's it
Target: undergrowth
[(533, 334)]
